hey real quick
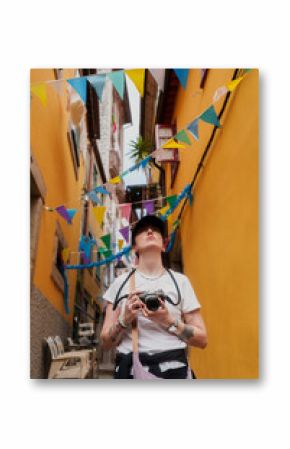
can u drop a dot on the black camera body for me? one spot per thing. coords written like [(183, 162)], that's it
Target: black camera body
[(151, 299)]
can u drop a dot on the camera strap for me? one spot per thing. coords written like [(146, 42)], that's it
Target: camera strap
[(138, 371), (118, 298), (132, 288)]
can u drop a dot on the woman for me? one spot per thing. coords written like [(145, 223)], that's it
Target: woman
[(163, 334)]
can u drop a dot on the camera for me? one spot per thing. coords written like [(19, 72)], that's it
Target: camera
[(151, 299)]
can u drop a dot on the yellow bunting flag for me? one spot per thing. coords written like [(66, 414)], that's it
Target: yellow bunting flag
[(99, 212), (115, 180), (233, 84), (40, 91), (169, 221), (138, 78), (163, 210), (173, 144), (65, 254), (120, 243)]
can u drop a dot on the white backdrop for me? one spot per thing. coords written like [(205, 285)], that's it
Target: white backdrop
[(202, 414)]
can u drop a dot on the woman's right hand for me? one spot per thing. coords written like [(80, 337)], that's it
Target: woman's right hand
[(132, 306)]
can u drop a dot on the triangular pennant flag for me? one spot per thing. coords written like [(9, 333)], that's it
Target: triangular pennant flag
[(58, 86), (193, 128), (118, 80), (148, 206), (115, 180), (163, 210), (85, 247), (107, 253), (233, 84), (71, 213), (120, 243), (182, 75), (171, 200), (138, 78), (182, 137), (173, 144), (220, 92), (125, 233), (159, 76), (99, 212), (190, 197), (98, 83), (125, 210), (40, 91), (169, 220), (176, 224), (107, 240), (170, 242), (80, 86), (101, 189), (63, 213), (93, 197), (209, 116), (65, 255)]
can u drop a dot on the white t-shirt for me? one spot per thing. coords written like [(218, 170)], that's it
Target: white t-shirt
[(152, 337)]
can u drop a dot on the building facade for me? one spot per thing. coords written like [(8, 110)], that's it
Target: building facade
[(218, 234), (71, 146)]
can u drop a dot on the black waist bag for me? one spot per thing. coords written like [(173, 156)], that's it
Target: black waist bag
[(124, 364)]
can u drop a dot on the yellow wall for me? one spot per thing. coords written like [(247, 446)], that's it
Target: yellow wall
[(219, 233), (51, 150)]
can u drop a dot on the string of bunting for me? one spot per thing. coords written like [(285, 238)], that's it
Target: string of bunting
[(208, 115), (98, 81), (86, 243)]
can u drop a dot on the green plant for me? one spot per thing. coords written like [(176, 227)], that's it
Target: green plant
[(140, 149)]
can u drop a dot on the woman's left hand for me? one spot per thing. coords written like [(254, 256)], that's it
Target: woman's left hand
[(160, 316)]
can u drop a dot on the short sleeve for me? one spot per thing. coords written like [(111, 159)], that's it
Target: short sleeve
[(111, 292), (189, 299)]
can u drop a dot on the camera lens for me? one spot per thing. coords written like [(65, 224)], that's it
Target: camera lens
[(152, 303)]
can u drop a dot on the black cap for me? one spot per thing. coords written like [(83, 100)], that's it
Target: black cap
[(147, 221)]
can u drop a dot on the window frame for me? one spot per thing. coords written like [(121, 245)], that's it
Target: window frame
[(59, 239)]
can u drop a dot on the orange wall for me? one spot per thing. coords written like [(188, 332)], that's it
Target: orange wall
[(50, 147), (220, 230)]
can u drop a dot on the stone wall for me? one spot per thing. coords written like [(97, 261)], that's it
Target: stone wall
[(45, 321)]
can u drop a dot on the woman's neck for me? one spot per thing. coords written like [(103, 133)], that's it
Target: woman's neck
[(150, 263)]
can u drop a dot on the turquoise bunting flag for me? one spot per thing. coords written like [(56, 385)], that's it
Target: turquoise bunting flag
[(210, 116), (80, 86), (193, 128), (182, 75), (118, 80), (98, 83)]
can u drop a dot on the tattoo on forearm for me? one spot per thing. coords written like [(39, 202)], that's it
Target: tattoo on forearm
[(187, 333), (114, 333)]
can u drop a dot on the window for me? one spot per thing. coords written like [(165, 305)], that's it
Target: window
[(73, 136), (204, 74), (58, 73), (57, 265), (37, 198)]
